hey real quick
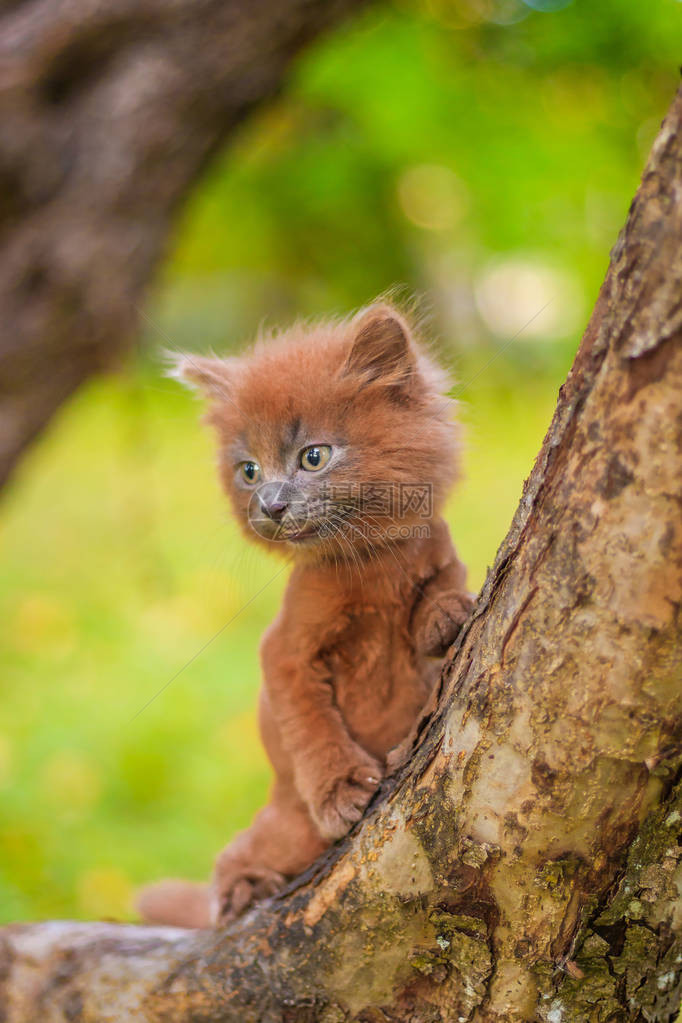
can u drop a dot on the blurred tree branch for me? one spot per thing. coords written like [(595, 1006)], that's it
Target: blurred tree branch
[(111, 110), (526, 864)]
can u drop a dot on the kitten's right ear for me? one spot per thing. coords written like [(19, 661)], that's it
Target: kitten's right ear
[(211, 376), (381, 349)]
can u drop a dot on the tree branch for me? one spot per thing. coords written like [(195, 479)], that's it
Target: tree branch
[(468, 888)]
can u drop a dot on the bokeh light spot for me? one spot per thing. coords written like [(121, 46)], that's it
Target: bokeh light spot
[(105, 892), (43, 623), (432, 197), (534, 298), (71, 782)]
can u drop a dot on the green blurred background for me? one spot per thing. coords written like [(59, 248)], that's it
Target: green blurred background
[(479, 153)]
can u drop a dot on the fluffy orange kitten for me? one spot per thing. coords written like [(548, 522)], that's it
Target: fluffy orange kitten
[(336, 447)]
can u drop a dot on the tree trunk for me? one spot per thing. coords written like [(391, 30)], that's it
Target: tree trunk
[(526, 864), (110, 110)]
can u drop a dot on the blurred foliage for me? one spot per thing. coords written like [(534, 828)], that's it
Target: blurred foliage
[(530, 136), (482, 154)]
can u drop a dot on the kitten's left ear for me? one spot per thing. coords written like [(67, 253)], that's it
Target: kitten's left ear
[(211, 376), (381, 349)]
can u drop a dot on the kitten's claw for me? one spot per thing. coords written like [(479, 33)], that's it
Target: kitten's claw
[(343, 800), (235, 887)]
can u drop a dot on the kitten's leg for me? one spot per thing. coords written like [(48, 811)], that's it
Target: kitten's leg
[(441, 611), (436, 620), (175, 903), (333, 776), (281, 842)]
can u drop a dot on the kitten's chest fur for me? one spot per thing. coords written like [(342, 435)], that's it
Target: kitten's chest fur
[(379, 681), (352, 630)]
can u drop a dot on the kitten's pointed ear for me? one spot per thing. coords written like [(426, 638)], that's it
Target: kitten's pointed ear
[(211, 376), (381, 349)]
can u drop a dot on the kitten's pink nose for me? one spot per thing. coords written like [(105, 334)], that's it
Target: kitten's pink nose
[(275, 509), (272, 499)]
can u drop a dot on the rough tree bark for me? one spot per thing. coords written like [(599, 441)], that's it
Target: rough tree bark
[(526, 864), (110, 110)]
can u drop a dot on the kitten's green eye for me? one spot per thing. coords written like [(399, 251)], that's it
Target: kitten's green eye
[(250, 472), (315, 457)]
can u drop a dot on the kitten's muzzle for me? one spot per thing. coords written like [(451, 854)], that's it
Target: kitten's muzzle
[(278, 510), (273, 500)]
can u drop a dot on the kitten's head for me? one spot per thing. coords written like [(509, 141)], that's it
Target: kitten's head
[(334, 440)]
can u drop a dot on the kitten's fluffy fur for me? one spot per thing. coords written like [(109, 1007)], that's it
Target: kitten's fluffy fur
[(350, 659)]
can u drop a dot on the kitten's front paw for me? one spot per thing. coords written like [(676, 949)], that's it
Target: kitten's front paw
[(341, 794), (439, 620), (235, 887)]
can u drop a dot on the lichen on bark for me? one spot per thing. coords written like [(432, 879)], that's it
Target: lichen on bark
[(628, 962)]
